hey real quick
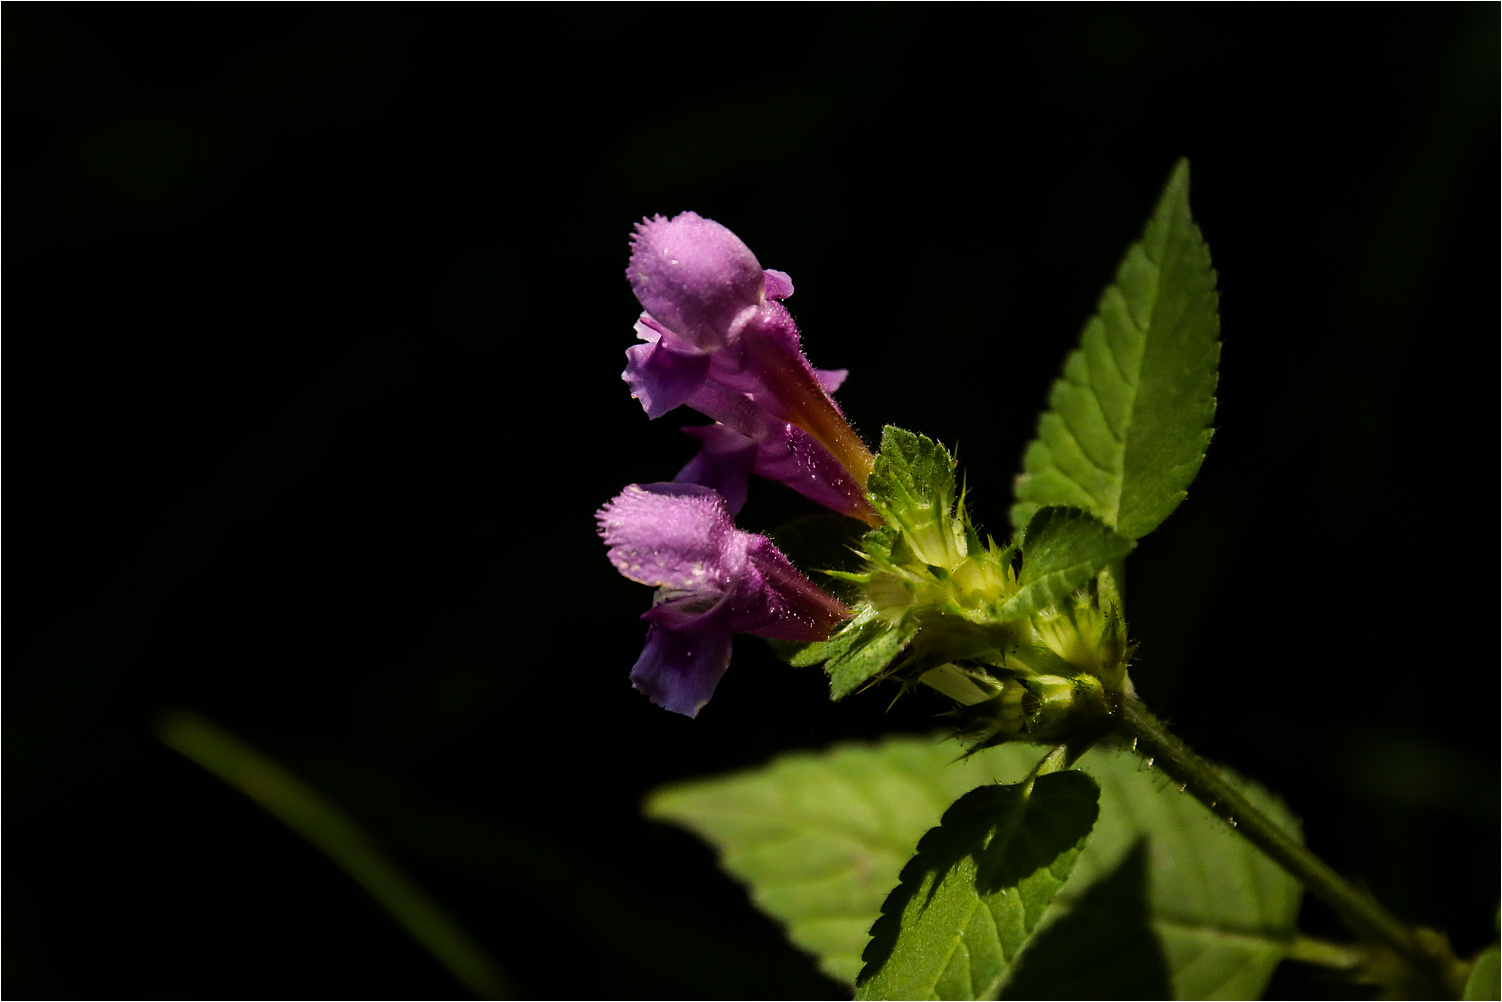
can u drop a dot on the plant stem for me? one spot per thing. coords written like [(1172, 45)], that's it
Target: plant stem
[(306, 812), (1161, 749), (1054, 761), (1337, 956)]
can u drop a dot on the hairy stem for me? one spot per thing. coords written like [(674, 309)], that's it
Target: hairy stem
[(1356, 908)]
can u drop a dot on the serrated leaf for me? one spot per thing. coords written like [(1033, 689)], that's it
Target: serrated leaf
[(1130, 419), (912, 470), (854, 655), (819, 840), (976, 888), (858, 630), (1222, 914), (1112, 922), (912, 486), (1062, 550), (864, 660)]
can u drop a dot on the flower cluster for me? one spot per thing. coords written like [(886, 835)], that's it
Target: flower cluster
[(1005, 631), (1024, 652), (716, 337)]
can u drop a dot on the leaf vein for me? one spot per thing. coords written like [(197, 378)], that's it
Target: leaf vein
[(1086, 452), (1094, 394), (1131, 379), (1076, 480)]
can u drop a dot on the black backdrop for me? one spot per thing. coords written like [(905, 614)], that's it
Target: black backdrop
[(316, 316)]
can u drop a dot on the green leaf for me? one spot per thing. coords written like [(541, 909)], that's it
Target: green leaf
[(877, 647), (912, 470), (1485, 981), (1129, 422), (976, 888), (855, 654), (819, 840), (1062, 550), (856, 632), (1112, 917), (1222, 914), (912, 486)]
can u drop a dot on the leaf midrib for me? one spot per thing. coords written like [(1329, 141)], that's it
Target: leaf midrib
[(1154, 256)]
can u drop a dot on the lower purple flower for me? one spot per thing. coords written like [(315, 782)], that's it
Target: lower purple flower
[(713, 580)]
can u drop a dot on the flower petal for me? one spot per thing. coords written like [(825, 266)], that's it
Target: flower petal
[(679, 668), (663, 373), (776, 601), (779, 284), (695, 276), (769, 448), (723, 464), (770, 335), (674, 535), (831, 379), (791, 456)]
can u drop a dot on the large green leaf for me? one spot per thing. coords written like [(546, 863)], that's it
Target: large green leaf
[(976, 888), (1221, 913), (820, 838), (1112, 916), (1129, 421), (1063, 549)]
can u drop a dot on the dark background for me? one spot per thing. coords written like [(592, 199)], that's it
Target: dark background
[(316, 318)]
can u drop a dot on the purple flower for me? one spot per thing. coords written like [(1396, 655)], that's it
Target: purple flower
[(715, 338), (778, 451), (713, 580)]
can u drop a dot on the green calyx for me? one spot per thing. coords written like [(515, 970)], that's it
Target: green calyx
[(1063, 688), (1027, 638), (928, 560)]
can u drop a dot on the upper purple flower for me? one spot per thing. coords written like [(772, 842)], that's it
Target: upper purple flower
[(713, 580), (716, 339)]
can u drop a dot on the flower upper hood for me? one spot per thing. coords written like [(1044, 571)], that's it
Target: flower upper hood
[(695, 278)]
